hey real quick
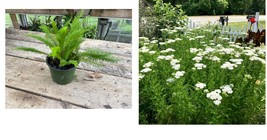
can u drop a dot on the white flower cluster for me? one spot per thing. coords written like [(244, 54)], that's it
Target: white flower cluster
[(147, 67), (167, 50), (200, 85), (179, 74), (170, 80), (145, 70), (255, 58), (148, 64), (249, 52), (190, 39), (215, 96), (178, 39), (236, 61), (226, 39), (199, 37), (228, 65), (144, 49), (154, 41), (197, 59), (200, 66), (215, 58), (227, 88), (141, 76), (170, 41), (226, 50), (167, 57), (209, 50), (193, 50)]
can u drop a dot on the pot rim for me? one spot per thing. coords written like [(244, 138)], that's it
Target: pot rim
[(46, 60)]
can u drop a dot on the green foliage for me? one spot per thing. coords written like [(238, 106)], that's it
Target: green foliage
[(161, 15), (167, 99), (218, 7), (65, 43)]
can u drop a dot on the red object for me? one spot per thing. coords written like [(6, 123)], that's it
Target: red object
[(252, 20)]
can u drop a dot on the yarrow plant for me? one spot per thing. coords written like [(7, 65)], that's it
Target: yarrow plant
[(197, 77)]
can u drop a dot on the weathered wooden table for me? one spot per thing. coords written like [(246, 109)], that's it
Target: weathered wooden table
[(29, 84)]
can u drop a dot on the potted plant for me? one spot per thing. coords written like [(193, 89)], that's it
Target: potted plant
[(65, 53)]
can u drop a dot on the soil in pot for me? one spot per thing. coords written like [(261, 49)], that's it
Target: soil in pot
[(60, 75)]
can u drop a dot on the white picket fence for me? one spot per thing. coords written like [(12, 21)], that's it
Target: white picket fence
[(191, 24), (233, 33)]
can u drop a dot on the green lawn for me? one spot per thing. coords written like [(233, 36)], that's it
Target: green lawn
[(240, 25)]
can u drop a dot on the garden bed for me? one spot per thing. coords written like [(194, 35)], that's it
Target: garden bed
[(29, 84)]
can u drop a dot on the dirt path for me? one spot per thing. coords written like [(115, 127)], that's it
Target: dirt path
[(232, 18)]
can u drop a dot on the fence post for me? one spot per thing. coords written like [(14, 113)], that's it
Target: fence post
[(14, 21), (255, 25)]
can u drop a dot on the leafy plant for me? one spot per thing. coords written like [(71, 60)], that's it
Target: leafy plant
[(65, 43), (193, 78), (160, 15)]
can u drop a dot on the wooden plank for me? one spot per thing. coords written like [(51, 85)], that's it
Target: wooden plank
[(112, 13), (123, 51), (14, 21), (33, 76), (16, 99)]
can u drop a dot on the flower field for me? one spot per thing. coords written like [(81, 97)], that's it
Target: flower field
[(195, 76)]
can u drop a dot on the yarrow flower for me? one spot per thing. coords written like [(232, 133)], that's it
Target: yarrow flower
[(197, 58), (198, 37), (193, 50), (236, 61), (228, 65), (169, 57), (255, 58), (170, 41), (174, 62), (141, 76), (152, 52), (148, 64), (200, 85), (178, 39), (215, 96), (145, 70), (176, 66), (179, 74), (167, 50), (227, 89), (200, 66), (227, 50), (170, 80), (190, 39), (215, 58), (144, 50)]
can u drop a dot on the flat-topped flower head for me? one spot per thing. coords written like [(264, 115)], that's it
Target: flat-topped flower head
[(145, 70), (227, 89), (179, 74), (200, 85), (228, 65), (200, 66), (236, 61), (148, 64), (197, 59), (174, 62)]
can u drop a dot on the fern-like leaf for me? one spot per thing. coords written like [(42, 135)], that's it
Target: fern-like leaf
[(30, 50), (96, 56)]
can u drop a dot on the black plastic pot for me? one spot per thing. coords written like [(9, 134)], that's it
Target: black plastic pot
[(59, 76)]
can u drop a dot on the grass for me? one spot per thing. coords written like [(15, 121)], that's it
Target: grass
[(240, 25)]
